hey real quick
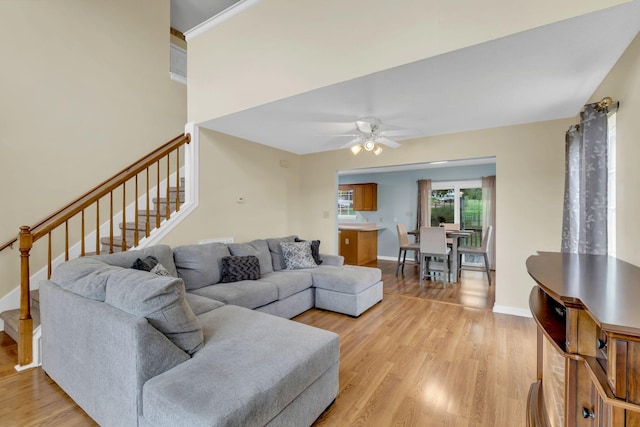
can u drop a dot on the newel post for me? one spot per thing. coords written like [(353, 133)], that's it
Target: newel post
[(25, 323)]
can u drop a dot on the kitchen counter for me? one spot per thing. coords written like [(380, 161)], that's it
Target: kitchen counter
[(360, 226), (359, 242)]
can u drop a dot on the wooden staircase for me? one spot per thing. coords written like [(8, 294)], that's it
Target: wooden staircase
[(151, 218), (134, 186), (11, 317)]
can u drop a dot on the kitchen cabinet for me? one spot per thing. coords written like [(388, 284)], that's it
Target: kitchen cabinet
[(365, 196)]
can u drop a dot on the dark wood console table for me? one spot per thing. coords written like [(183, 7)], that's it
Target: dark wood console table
[(587, 308)]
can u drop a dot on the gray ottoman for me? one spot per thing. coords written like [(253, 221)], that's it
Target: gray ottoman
[(349, 289)]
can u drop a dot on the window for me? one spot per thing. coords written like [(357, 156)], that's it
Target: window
[(345, 202), (611, 184)]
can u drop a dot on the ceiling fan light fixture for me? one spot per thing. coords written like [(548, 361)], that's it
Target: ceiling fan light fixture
[(356, 149), (377, 150), (369, 145)]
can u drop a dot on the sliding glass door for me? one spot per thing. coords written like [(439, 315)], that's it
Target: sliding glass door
[(459, 202)]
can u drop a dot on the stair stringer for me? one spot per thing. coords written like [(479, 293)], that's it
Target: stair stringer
[(190, 171)]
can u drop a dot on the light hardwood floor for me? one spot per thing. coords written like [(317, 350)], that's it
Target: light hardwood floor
[(408, 361)]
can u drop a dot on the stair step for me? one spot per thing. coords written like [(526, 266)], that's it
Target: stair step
[(142, 215), (117, 244), (11, 318)]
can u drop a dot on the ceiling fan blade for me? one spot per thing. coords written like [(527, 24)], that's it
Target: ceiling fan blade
[(397, 132), (388, 142), (354, 141)]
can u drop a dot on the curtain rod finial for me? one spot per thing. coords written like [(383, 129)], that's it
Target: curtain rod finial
[(604, 103)]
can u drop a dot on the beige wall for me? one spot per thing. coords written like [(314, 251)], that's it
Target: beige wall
[(85, 91), (279, 48), (529, 170), (231, 168), (623, 84), (530, 181), (530, 185)]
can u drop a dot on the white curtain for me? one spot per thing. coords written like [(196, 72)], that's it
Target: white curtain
[(584, 222), (489, 214)]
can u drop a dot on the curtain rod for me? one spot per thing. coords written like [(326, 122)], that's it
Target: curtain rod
[(606, 104)]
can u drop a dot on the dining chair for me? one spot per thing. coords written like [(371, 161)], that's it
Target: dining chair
[(403, 243), (474, 250), (450, 226), (433, 244)]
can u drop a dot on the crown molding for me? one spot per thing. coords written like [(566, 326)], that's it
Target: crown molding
[(219, 18)]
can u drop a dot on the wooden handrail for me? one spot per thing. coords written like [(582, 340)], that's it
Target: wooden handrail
[(29, 235), (8, 244), (87, 199)]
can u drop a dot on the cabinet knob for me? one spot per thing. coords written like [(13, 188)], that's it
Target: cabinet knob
[(586, 413), (601, 344)]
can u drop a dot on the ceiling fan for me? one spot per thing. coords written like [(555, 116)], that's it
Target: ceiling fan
[(369, 137)]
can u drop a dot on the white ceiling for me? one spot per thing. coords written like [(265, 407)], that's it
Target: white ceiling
[(186, 14), (542, 74)]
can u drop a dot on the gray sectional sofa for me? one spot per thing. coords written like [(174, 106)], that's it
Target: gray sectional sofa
[(182, 348)]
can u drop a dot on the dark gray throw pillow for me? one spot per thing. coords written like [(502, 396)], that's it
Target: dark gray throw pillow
[(315, 250), (145, 264), (237, 268)]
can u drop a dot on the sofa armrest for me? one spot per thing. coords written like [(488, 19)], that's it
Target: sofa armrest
[(101, 356), (332, 259)]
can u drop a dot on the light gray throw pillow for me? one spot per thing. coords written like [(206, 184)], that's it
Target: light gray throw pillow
[(297, 255), (276, 251)]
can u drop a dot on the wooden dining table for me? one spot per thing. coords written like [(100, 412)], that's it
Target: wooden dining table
[(455, 236)]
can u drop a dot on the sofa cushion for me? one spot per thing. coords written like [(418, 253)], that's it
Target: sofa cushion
[(237, 268), (349, 279), (257, 248), (289, 282), (161, 300), (297, 255), (84, 276), (200, 265), (247, 293), (200, 304), (259, 365), (276, 251), (163, 254), (315, 250)]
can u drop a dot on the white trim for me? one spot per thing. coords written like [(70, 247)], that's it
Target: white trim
[(445, 185), (177, 78), (389, 258), (225, 240), (514, 311), (219, 18)]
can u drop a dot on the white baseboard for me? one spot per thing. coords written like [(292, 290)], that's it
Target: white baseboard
[(388, 258), (514, 311)]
